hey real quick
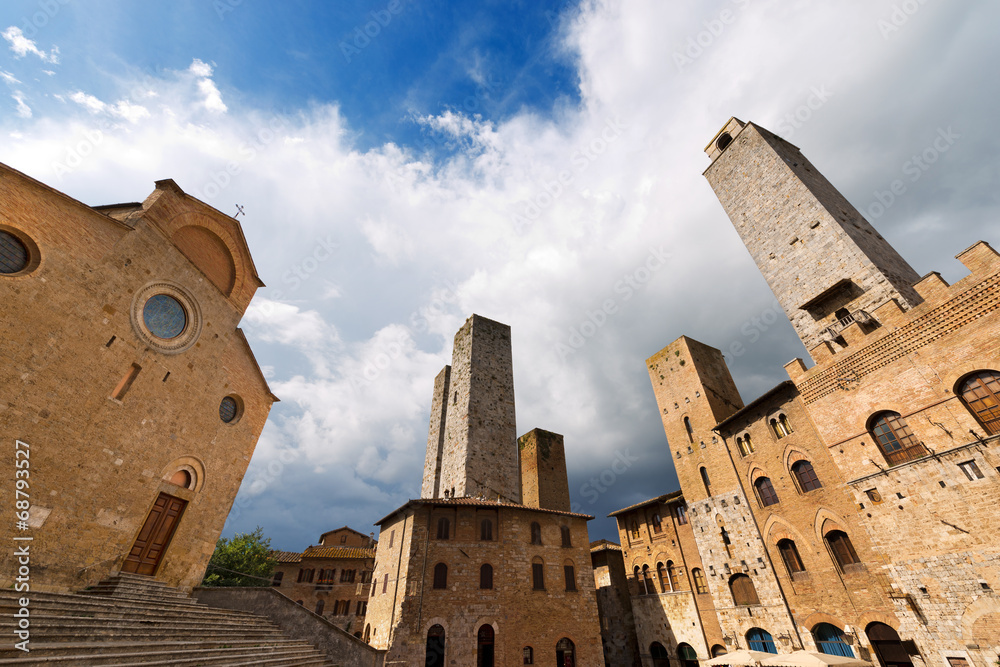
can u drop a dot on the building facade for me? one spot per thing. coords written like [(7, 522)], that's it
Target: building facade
[(131, 401), (490, 566), (849, 509), (331, 578)]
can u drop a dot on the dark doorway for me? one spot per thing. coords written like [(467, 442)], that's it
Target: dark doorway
[(154, 538), (435, 646), (565, 653), (484, 652), (659, 654), (887, 646)]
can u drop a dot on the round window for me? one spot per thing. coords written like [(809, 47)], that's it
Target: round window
[(13, 253), (229, 409), (164, 316)]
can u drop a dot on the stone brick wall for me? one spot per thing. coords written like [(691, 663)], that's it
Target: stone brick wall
[(69, 337), (804, 235), (520, 615), (544, 482), (431, 487), (614, 606), (479, 454)]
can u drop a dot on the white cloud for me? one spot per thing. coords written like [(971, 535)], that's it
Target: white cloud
[(8, 78), (22, 46), (88, 102), (199, 68), (23, 110), (211, 97), (130, 112)]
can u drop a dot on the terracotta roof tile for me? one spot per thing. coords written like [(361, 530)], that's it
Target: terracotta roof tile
[(658, 499), (345, 553), (286, 556)]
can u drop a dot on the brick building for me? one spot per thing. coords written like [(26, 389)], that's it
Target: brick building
[(124, 373), (331, 578), (490, 566), (852, 508)]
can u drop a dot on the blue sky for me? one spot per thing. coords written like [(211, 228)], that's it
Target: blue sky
[(428, 158)]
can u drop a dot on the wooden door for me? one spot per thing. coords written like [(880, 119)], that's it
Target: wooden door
[(154, 538)]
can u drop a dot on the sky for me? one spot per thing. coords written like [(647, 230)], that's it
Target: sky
[(402, 165)]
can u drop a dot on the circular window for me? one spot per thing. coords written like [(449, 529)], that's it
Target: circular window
[(164, 316), (13, 253), (724, 141), (229, 409)]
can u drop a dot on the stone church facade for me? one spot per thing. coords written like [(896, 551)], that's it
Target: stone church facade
[(852, 508), (489, 566), (124, 374)]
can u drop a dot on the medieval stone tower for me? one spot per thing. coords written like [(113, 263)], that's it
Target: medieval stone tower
[(825, 263), (471, 447)]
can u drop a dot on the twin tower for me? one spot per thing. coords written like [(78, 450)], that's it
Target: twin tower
[(472, 448)]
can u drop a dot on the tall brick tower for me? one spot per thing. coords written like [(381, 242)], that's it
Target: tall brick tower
[(472, 442), (827, 266)]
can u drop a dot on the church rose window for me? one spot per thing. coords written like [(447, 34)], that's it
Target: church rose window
[(228, 409), (13, 253), (164, 316)]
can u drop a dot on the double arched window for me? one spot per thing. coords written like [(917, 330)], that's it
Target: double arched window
[(894, 438), (657, 524), (981, 394), (700, 585), (661, 574), (745, 444), (780, 426), (805, 476)]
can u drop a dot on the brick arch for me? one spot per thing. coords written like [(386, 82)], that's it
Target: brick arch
[(209, 253), (978, 611), (870, 617), (817, 617), (776, 529), (827, 520), (793, 454), (237, 252), (755, 472), (957, 373), (437, 620)]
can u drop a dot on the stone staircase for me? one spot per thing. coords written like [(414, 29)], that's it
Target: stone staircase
[(134, 620)]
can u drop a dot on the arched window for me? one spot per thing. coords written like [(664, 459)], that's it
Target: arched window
[(981, 394), (742, 446), (661, 574), (887, 645), (784, 425), (894, 438), (435, 647), (529, 655), (830, 640), (790, 556), (647, 585), (537, 574), (566, 542), (536, 533), (805, 475), (659, 654), (682, 515), (687, 655), (672, 576), (278, 576), (368, 633), (842, 549), (700, 585), (444, 527), (486, 576), (704, 480), (319, 607), (440, 576), (718, 649), (484, 648), (565, 652), (690, 431), (744, 594), (634, 530), (760, 640), (657, 524), (765, 491), (486, 530)]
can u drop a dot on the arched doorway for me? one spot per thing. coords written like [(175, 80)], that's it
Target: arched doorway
[(718, 650), (887, 646), (830, 640), (659, 655), (688, 656), (484, 649), (435, 646), (565, 653)]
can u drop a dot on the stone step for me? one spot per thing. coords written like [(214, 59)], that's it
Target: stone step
[(9, 600), (180, 623), (83, 633), (57, 649), (86, 655), (127, 589)]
